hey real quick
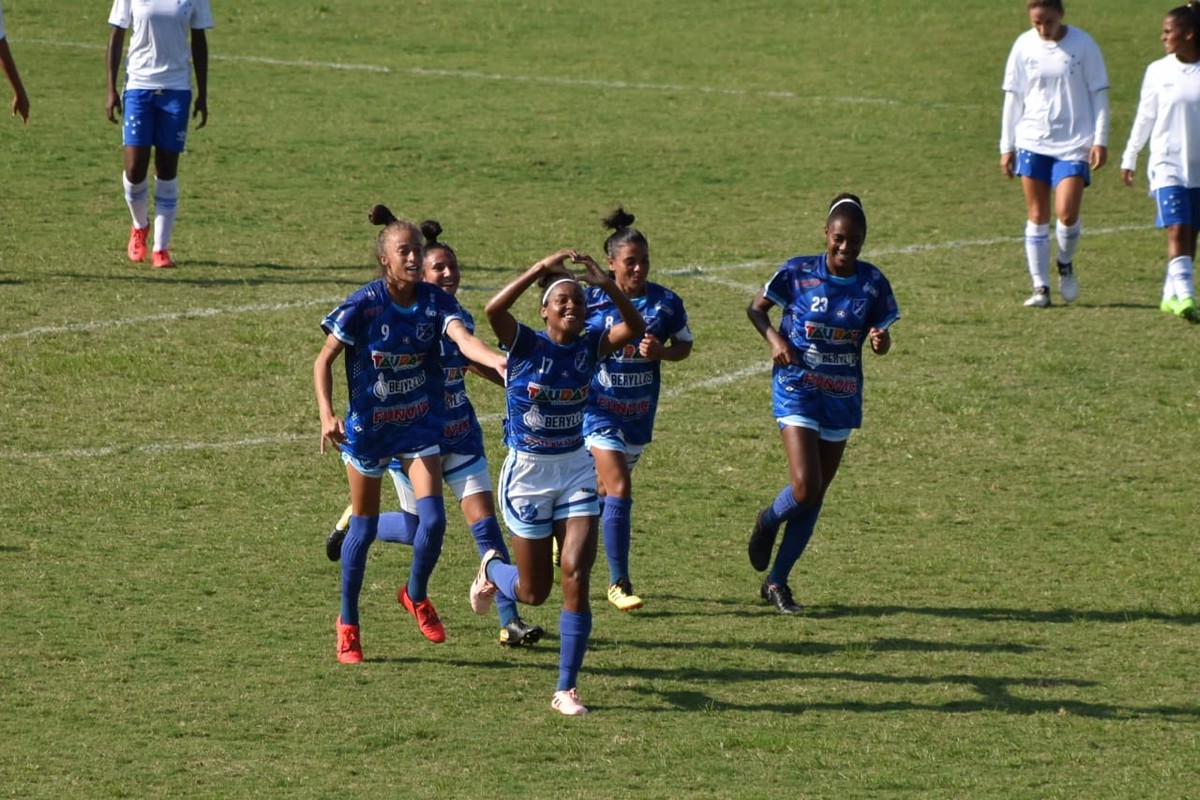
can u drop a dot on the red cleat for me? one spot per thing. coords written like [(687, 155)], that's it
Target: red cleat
[(349, 646), (161, 259), (427, 618), (136, 250)]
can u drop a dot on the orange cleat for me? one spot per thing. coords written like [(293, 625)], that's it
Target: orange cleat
[(349, 646), (136, 250), (161, 259), (427, 618)]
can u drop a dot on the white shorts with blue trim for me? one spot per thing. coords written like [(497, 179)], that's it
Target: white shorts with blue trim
[(465, 475), (613, 439), (536, 490), (828, 434), (378, 467)]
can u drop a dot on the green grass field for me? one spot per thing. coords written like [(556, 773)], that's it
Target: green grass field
[(1004, 590)]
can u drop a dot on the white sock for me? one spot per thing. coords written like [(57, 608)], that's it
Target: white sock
[(1168, 287), (166, 200), (1068, 241), (1179, 271), (136, 198), (1037, 252)]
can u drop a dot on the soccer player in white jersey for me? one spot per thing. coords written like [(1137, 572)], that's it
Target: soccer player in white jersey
[(167, 42), (548, 482), (20, 103), (831, 305), (623, 399), (391, 331), (1168, 116), (1053, 133), (464, 462)]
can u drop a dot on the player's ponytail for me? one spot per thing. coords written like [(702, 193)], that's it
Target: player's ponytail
[(620, 222), (1188, 16), (379, 214)]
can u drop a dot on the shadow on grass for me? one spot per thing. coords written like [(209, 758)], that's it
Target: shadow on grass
[(994, 695), (13, 548), (985, 614)]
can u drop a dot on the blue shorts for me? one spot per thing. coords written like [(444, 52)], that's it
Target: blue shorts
[(828, 434), (378, 467), (613, 439), (1048, 169), (157, 117), (1177, 206)]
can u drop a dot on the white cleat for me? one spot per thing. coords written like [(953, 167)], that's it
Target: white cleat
[(1068, 284), (1040, 298)]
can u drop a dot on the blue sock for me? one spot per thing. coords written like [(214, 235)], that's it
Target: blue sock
[(354, 564), (505, 577), (783, 507), (427, 547), (398, 527), (616, 527), (796, 533), (574, 630), (488, 537)]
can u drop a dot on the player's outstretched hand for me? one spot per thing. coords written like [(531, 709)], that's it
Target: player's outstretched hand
[(333, 431), (592, 272)]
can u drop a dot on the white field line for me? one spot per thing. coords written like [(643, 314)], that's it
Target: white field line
[(596, 83)]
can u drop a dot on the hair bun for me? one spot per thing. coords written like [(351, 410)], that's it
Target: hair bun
[(431, 230), (381, 215), (618, 219)]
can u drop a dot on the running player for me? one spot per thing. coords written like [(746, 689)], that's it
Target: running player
[(830, 304), (391, 331), (158, 92), (548, 482), (1054, 131), (623, 398), (1168, 116), (464, 463), (20, 103)]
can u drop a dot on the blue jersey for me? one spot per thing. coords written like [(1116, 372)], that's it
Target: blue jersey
[(393, 368), (461, 432), (547, 389), (624, 392), (826, 319)]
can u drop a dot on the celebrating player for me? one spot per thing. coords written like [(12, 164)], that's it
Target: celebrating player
[(830, 304), (391, 331), (1168, 116), (20, 103), (623, 398), (548, 482), (158, 92), (1054, 131), (464, 464)]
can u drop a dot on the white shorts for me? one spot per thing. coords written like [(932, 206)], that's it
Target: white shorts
[(613, 439), (536, 490), (375, 468), (828, 434), (465, 475)]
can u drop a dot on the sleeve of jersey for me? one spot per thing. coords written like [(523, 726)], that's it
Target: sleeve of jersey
[(120, 15), (450, 310), (1096, 71), (202, 18), (1014, 75), (679, 321), (343, 321), (1143, 123), (522, 343), (886, 310), (779, 289)]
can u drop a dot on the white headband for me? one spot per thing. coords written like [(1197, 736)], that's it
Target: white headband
[(550, 288), (844, 200)]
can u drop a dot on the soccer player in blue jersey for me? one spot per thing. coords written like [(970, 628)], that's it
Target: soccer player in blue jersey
[(464, 463), (168, 42), (391, 331), (548, 481), (830, 305), (623, 398)]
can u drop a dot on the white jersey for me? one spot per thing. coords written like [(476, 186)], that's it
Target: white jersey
[(160, 46), (1053, 83), (1168, 115)]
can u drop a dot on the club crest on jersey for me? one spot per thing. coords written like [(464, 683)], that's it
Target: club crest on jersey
[(424, 331), (581, 360), (859, 307), (526, 512)]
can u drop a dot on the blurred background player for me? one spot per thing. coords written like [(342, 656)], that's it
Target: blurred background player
[(464, 463), (548, 482), (831, 304), (158, 92), (623, 399), (1168, 115), (391, 331), (20, 103), (1054, 131)]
